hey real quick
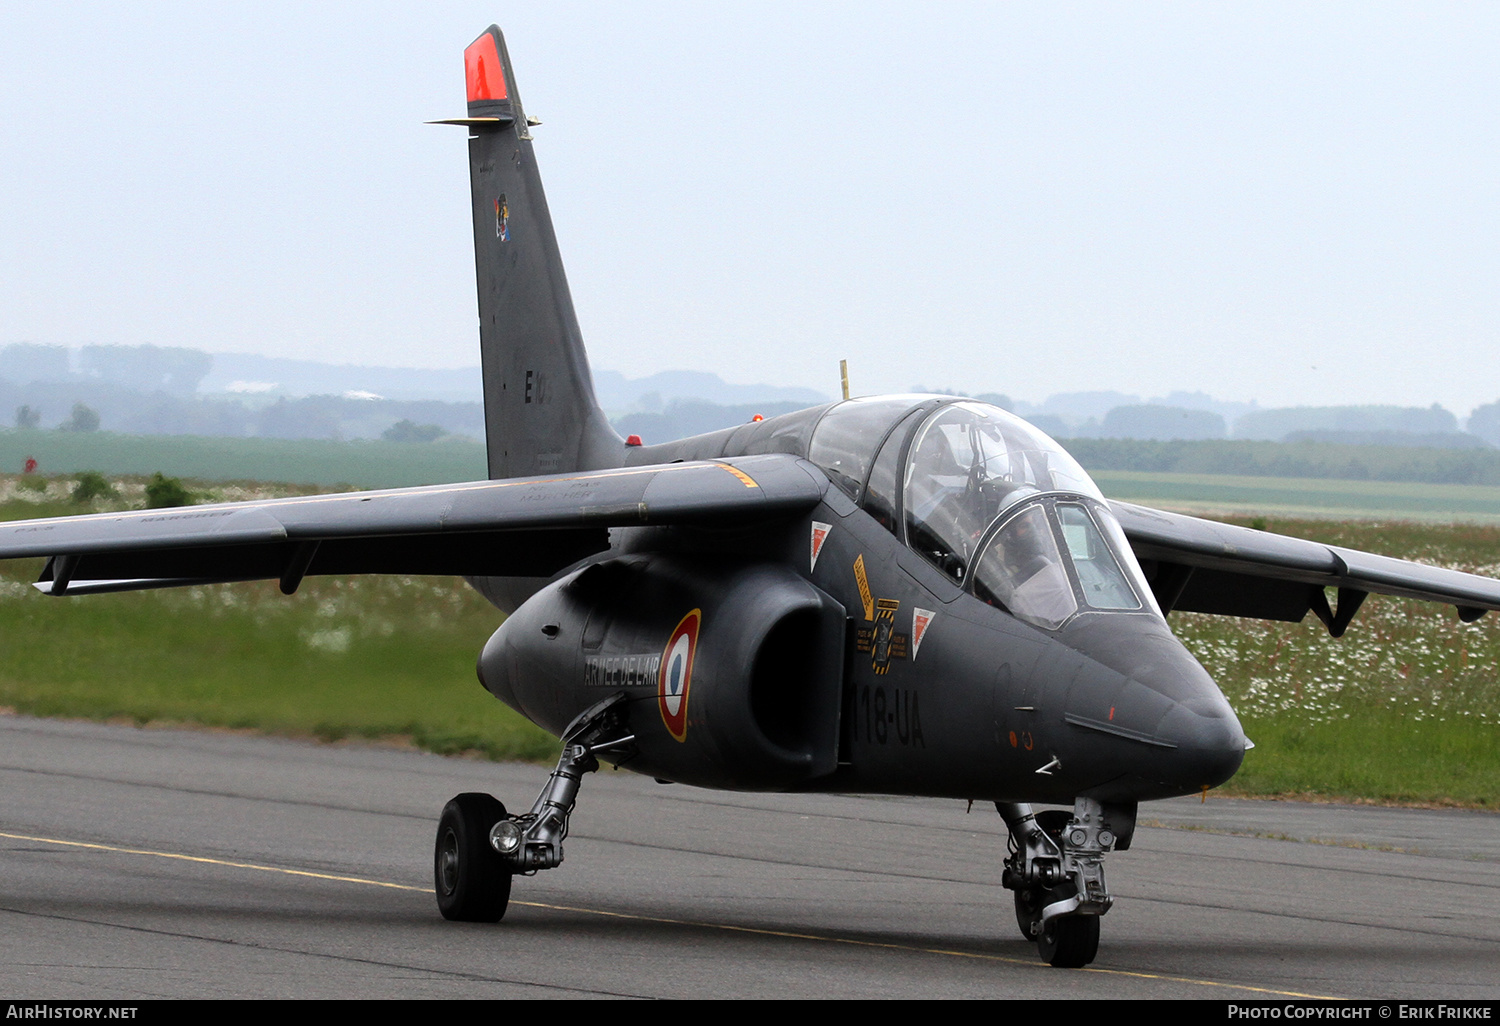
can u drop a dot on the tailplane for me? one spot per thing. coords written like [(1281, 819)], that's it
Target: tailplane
[(540, 413)]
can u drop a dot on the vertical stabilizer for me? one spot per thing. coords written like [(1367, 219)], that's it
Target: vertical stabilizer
[(540, 413)]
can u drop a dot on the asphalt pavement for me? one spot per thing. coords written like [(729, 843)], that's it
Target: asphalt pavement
[(153, 863)]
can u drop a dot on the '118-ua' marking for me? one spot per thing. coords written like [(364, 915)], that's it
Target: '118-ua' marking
[(896, 715)]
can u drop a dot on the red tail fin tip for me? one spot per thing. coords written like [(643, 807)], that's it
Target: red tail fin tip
[(482, 70)]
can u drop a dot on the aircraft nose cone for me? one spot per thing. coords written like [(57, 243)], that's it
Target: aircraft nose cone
[(1171, 731), (1210, 744)]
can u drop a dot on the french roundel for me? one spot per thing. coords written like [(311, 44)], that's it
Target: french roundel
[(677, 674)]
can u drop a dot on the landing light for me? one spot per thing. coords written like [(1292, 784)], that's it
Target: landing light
[(505, 837)]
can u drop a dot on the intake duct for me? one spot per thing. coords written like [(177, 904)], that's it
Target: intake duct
[(732, 671)]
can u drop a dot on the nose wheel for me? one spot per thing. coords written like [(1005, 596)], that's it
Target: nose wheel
[(1056, 869), (1069, 942), (1065, 941)]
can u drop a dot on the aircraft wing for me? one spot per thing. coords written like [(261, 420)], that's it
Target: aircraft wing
[(1207, 567), (521, 527)]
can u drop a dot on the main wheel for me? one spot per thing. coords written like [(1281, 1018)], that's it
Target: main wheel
[(472, 880), (1069, 942)]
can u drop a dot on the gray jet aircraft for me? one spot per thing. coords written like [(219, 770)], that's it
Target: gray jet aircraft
[(912, 595)]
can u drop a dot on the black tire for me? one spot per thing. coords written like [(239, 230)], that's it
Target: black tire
[(471, 879), (1069, 942)]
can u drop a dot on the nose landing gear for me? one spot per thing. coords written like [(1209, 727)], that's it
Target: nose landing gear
[(1056, 869)]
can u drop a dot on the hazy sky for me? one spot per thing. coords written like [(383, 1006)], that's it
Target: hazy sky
[(1295, 203)]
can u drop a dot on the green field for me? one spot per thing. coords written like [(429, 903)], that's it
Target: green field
[(359, 464), (364, 657), (1303, 497), (370, 657), (1405, 707)]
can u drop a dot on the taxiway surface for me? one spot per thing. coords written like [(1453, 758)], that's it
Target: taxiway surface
[(143, 864)]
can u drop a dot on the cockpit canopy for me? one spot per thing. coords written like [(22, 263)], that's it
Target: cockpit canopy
[(996, 505)]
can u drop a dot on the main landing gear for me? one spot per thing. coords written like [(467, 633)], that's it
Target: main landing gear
[(480, 847), (1056, 868)]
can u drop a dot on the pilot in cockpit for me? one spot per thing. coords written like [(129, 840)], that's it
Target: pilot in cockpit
[(1022, 571)]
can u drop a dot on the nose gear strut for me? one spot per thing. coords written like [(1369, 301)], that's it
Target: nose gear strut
[(1056, 868)]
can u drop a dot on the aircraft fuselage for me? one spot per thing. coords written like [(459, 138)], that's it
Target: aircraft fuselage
[(829, 654)]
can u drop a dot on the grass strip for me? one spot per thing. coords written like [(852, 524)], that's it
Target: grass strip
[(377, 658)]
